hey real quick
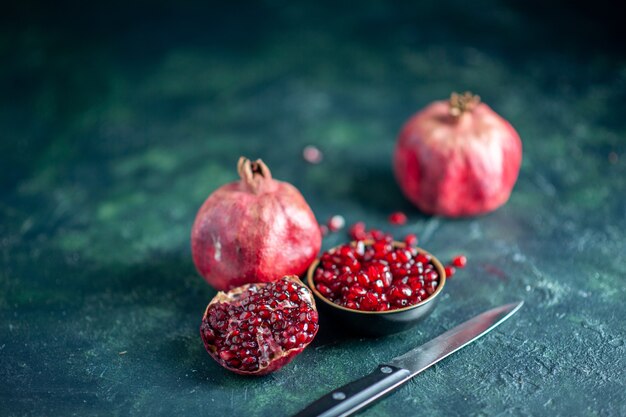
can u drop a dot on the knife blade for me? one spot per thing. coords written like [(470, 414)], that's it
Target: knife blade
[(357, 394)]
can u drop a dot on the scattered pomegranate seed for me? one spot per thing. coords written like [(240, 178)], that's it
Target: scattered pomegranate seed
[(312, 155), (357, 231), (410, 240), (450, 271), (323, 229), (459, 261), (375, 277), (397, 218), (335, 223)]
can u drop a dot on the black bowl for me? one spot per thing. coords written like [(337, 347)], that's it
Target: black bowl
[(379, 323)]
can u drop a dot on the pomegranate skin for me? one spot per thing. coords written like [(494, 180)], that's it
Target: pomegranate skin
[(457, 158), (257, 229)]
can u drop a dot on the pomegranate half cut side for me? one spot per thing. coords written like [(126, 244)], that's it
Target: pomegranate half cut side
[(258, 328)]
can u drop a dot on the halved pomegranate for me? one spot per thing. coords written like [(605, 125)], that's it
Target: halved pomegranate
[(258, 328)]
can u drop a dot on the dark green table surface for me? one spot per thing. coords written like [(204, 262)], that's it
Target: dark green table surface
[(117, 120)]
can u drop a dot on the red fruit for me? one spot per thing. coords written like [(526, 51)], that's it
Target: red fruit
[(248, 331), (376, 277), (397, 218), (457, 158), (254, 230)]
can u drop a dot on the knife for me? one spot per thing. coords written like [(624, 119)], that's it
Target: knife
[(357, 394)]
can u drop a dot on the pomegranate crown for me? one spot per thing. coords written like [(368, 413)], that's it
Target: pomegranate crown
[(255, 175), (461, 103)]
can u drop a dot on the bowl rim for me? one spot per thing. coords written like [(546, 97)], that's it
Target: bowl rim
[(433, 259)]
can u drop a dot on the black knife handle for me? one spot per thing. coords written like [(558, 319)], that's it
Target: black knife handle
[(357, 394)]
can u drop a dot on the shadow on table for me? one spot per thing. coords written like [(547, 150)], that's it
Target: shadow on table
[(371, 186)]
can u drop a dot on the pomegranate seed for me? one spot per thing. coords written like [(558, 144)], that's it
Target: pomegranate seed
[(323, 229), (227, 355), (378, 286), (249, 360), (377, 277), (404, 255), (363, 279), (357, 231), (387, 278), (431, 276), (415, 283), (312, 155), (324, 290), (335, 223), (356, 291), (370, 302), (450, 270), (378, 234), (397, 218), (422, 259), (410, 240), (459, 261), (381, 248)]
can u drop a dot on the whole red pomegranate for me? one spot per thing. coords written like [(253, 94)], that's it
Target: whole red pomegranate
[(257, 229), (256, 329), (457, 158)]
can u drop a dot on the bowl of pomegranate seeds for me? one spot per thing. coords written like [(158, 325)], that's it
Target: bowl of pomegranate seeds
[(377, 287)]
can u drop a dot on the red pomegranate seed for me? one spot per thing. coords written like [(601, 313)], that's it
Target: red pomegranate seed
[(450, 270), (312, 155), (422, 259), (363, 279), (410, 240), (459, 261), (379, 235), (357, 231), (376, 277), (323, 229), (415, 283), (378, 286), (370, 302), (397, 218), (335, 223)]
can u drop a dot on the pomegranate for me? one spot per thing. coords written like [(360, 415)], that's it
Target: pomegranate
[(378, 276), (257, 229), (457, 158), (258, 328)]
